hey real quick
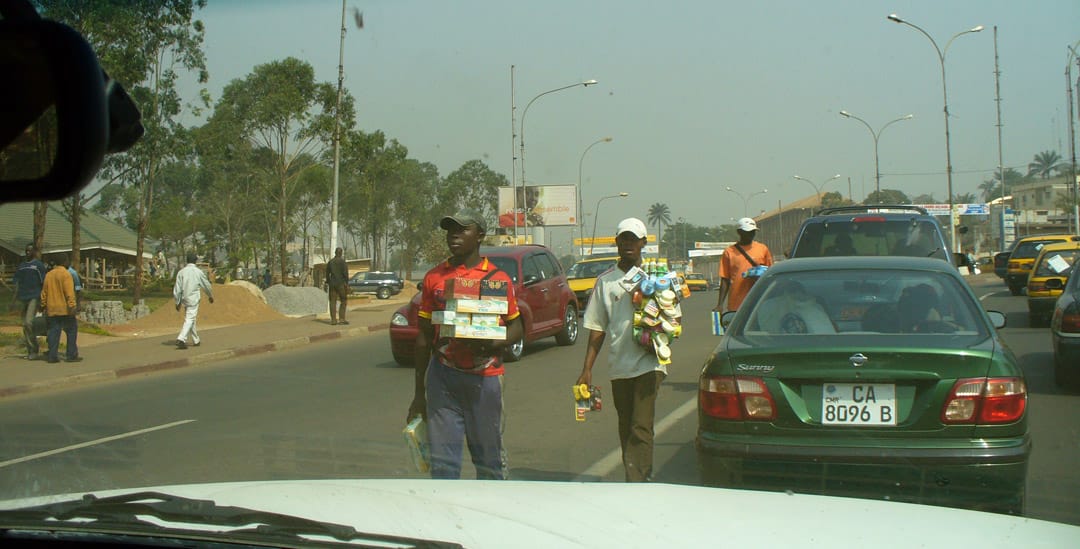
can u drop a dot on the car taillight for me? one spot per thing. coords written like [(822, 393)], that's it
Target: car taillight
[(869, 219), (1036, 287), (1014, 264), (1070, 320), (986, 400), (729, 397)]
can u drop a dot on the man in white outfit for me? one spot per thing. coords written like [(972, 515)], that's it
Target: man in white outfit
[(189, 281)]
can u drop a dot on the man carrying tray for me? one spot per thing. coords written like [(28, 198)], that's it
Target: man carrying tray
[(458, 385)]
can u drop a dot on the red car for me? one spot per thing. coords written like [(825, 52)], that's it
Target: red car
[(548, 307)]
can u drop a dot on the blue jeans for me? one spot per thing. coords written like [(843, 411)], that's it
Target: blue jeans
[(71, 328), (465, 406)]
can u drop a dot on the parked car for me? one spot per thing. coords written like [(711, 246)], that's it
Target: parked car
[(548, 307), (1065, 331), (696, 282), (382, 284), (877, 377), (582, 275), (1023, 257), (874, 230), (1055, 262)]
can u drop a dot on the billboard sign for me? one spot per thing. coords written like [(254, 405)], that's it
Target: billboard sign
[(539, 206)]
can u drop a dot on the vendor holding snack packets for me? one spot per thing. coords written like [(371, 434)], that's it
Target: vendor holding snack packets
[(468, 315)]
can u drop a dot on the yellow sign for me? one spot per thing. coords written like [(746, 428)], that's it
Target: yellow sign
[(603, 241)]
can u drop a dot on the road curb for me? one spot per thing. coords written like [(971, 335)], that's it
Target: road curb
[(191, 360)]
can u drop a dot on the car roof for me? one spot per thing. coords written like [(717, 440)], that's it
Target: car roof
[(905, 210), (1061, 237), (878, 262), (602, 258), (511, 251), (1059, 246)]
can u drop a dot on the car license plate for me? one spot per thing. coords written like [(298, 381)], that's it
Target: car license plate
[(858, 404)]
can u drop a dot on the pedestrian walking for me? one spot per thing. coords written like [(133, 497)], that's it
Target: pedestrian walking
[(28, 280), (635, 371), (741, 265), (191, 281), (266, 278), (337, 286), (58, 302), (458, 383)]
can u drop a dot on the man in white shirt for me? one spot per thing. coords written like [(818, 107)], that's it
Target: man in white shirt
[(190, 282), (635, 371)]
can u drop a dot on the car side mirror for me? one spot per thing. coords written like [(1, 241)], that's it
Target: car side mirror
[(420, 286), (726, 318), (1054, 284), (997, 318)]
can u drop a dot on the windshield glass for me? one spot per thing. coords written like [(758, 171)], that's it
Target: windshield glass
[(1058, 263), (201, 335), (1030, 249)]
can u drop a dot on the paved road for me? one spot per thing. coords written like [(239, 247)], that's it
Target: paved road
[(336, 410)]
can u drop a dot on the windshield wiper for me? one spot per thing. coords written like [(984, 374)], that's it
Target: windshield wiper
[(126, 514)]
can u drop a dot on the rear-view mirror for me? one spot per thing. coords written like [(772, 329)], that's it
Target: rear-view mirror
[(726, 318), (997, 318)]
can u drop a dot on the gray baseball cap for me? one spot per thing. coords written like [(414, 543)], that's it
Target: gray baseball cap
[(464, 218)]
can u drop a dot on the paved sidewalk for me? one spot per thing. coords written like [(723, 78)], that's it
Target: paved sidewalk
[(106, 359)]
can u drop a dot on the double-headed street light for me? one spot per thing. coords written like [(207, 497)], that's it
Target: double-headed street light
[(876, 135), (945, 98), (592, 242), (746, 199), (521, 141), (817, 188), (581, 207)]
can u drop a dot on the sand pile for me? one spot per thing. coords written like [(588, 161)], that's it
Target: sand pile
[(233, 304)]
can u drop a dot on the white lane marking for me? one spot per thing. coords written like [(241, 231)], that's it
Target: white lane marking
[(613, 459), (93, 443), (989, 295)]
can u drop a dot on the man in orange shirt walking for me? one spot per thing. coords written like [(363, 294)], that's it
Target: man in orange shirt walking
[(741, 265)]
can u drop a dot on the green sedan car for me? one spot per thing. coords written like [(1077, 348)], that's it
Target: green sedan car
[(876, 377)]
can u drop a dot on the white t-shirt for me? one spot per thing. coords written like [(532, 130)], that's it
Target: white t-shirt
[(611, 310)]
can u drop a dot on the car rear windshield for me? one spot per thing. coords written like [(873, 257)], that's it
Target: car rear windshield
[(820, 306), (1030, 249), (1056, 263), (873, 235)]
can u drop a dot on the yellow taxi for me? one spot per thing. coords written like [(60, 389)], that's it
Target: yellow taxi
[(1055, 261), (696, 282), (582, 275), (1023, 257)]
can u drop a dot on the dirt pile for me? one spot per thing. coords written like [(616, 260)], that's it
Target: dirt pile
[(233, 304)]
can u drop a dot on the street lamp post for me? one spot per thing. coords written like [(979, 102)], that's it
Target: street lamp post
[(945, 99), (592, 241), (817, 188), (1072, 141), (876, 135), (746, 199), (521, 142), (581, 207)]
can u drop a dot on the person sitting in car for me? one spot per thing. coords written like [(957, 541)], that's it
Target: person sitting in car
[(841, 246)]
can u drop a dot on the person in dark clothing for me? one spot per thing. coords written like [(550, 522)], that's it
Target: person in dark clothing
[(28, 280), (337, 286)]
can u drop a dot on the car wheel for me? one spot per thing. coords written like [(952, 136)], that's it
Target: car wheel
[(568, 334), (383, 293), (1015, 290), (514, 351)]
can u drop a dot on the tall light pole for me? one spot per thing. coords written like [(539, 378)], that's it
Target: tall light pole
[(1072, 137), (817, 188), (746, 199), (521, 141), (592, 241), (945, 99), (581, 207), (876, 135), (337, 130)]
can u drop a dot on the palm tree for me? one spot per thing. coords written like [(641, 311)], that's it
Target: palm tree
[(991, 188), (1044, 163), (659, 215)]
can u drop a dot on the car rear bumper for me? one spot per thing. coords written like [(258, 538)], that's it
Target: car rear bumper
[(973, 476)]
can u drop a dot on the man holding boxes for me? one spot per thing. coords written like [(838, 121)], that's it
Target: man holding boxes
[(468, 315)]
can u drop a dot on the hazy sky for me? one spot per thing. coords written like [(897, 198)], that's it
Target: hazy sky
[(698, 95)]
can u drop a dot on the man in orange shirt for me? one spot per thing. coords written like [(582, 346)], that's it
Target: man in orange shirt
[(736, 263)]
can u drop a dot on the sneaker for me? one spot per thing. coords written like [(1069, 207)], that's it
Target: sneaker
[(73, 359), (196, 344), (33, 356), (53, 360), (181, 344), (333, 322)]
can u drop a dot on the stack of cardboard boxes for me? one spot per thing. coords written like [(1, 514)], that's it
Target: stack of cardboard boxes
[(473, 308)]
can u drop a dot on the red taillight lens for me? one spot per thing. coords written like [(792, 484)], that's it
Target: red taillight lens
[(986, 400), (1070, 323), (729, 397), (869, 219)]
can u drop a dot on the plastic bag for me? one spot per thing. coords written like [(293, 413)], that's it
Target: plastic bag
[(416, 438)]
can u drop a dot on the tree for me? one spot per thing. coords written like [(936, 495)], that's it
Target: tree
[(924, 199), (964, 198), (1044, 164), (477, 186), (660, 215), (833, 200), (142, 44), (280, 108), (991, 188), (887, 196)]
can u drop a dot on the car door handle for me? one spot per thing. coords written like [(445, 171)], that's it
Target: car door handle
[(544, 289)]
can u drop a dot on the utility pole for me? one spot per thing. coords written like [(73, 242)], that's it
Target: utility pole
[(1001, 161), (337, 132), (513, 155)]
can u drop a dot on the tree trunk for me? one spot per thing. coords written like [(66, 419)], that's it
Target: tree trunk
[(76, 234), (40, 211)]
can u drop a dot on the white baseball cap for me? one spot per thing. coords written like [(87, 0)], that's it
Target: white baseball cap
[(632, 225), (746, 225)]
